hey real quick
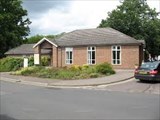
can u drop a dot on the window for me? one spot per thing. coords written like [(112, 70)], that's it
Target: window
[(116, 55), (69, 55), (91, 55)]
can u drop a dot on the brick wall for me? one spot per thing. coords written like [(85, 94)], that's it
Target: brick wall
[(54, 56), (129, 56)]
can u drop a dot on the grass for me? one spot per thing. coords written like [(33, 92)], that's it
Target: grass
[(74, 72)]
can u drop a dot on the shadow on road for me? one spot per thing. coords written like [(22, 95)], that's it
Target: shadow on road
[(148, 82), (5, 117)]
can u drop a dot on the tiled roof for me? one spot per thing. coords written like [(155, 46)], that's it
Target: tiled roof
[(84, 37), (25, 49), (96, 36)]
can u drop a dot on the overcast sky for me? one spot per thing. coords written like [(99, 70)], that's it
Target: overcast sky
[(54, 17)]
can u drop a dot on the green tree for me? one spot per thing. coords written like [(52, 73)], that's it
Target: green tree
[(135, 18), (13, 24), (36, 38), (33, 39)]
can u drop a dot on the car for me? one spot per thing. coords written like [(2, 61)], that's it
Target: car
[(148, 71)]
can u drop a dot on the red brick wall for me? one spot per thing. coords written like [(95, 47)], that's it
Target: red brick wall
[(55, 56), (103, 54), (129, 56), (79, 56)]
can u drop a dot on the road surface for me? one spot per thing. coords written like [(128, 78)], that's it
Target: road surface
[(18, 101), (133, 86)]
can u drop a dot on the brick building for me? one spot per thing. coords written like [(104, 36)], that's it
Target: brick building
[(92, 46)]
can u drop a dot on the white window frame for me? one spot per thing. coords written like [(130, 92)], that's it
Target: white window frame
[(67, 60), (115, 48), (89, 61)]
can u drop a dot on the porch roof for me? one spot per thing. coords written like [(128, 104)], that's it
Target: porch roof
[(25, 49)]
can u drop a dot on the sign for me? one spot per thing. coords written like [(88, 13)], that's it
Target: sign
[(25, 62), (36, 59)]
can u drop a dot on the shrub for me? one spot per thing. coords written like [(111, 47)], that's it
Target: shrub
[(74, 72), (45, 60), (85, 66), (93, 75), (75, 68), (29, 70), (45, 73), (10, 64), (65, 74), (89, 69), (31, 61), (105, 68)]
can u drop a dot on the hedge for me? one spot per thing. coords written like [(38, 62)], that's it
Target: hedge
[(10, 64), (14, 63)]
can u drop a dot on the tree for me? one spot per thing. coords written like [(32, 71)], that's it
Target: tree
[(33, 39), (36, 38), (135, 18), (13, 24)]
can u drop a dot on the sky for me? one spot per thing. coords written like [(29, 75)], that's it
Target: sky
[(51, 17)]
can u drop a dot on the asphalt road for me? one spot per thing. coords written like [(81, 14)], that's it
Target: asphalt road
[(133, 86), (18, 101)]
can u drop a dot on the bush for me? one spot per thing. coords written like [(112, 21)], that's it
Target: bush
[(30, 61), (45, 60), (85, 66), (65, 74), (10, 64), (28, 70), (14, 63), (93, 75), (25, 71), (89, 69), (105, 68), (74, 72), (75, 68)]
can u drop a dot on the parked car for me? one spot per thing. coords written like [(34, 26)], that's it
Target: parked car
[(148, 71)]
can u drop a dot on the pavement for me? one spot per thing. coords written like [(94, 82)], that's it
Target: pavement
[(121, 75)]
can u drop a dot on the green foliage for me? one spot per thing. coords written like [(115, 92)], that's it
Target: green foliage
[(74, 72), (36, 38), (46, 72), (10, 64), (13, 24), (94, 75), (105, 68), (89, 69), (136, 19), (65, 74), (45, 60), (14, 63), (28, 70), (31, 61)]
